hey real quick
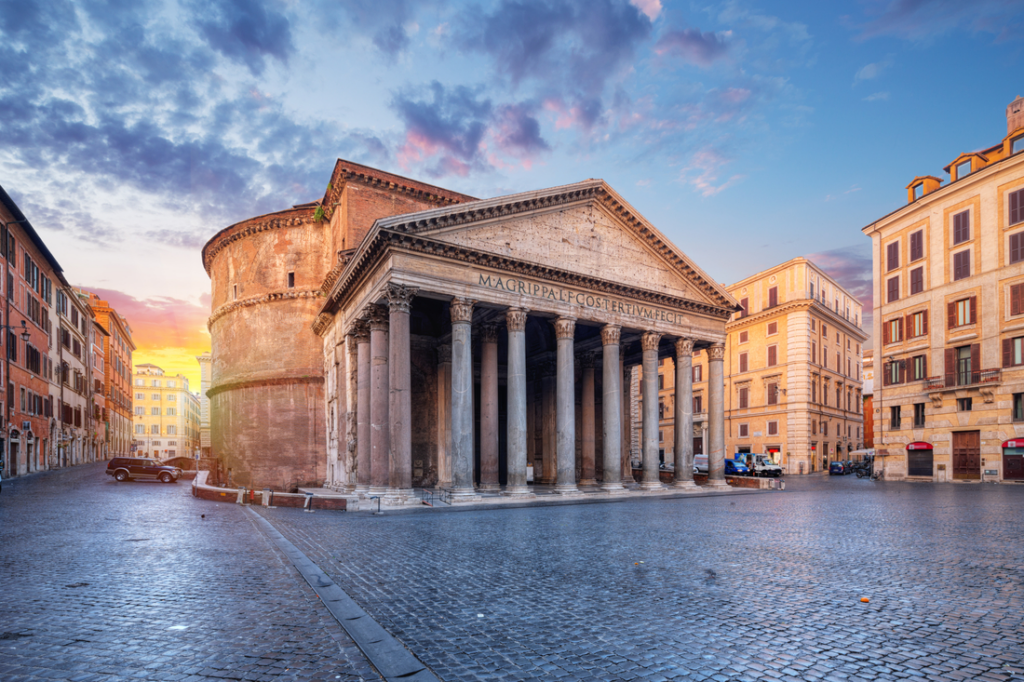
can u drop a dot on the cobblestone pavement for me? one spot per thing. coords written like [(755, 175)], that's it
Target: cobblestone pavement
[(125, 581), (752, 587)]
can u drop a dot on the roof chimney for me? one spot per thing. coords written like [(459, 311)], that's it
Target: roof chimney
[(1015, 115)]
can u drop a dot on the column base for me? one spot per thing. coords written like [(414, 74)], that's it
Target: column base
[(361, 490), (648, 486), (488, 487), (613, 489), (718, 485), (567, 490), (588, 482), (518, 491), (464, 495), (377, 492), (399, 496), (686, 485)]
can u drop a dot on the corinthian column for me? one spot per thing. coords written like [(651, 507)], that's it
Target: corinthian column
[(565, 408), (588, 476), (515, 322), (462, 401), (684, 415), (444, 416), (611, 407), (489, 407), (716, 416), (362, 337), (380, 430), (400, 397), (649, 343)]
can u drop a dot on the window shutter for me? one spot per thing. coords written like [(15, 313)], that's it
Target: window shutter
[(772, 357), (924, 321), (950, 358), (924, 366), (909, 324), (903, 371), (974, 309), (1016, 250), (886, 374), (1015, 299), (885, 334), (1015, 207), (1007, 352), (899, 330), (975, 361), (951, 314)]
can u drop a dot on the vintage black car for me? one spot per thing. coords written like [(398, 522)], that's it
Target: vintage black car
[(128, 468)]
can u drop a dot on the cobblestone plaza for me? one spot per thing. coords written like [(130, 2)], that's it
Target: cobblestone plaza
[(759, 586)]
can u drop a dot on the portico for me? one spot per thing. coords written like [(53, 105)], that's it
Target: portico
[(489, 340)]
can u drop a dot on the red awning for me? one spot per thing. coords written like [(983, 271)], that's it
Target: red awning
[(1018, 443), (919, 445)]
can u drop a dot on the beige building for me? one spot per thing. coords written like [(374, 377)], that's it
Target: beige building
[(949, 319), (166, 414), (205, 361), (793, 372)]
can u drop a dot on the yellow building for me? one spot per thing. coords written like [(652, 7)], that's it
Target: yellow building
[(792, 372), (949, 319), (167, 415)]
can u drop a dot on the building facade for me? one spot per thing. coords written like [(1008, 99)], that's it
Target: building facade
[(205, 361), (100, 418), (166, 419), (793, 372), (541, 304), (72, 394), (949, 314), (117, 355), (869, 398)]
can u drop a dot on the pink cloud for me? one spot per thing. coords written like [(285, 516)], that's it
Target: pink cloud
[(652, 8), (703, 172)]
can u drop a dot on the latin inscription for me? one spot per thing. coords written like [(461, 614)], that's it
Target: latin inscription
[(518, 286)]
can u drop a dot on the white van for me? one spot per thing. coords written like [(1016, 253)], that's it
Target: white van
[(700, 464)]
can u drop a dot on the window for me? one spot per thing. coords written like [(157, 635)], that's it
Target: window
[(140, 396), (140, 429), (963, 169), (773, 356), (291, 280), (773, 328), (918, 367), (171, 412), (814, 324), (918, 415), (965, 370), (916, 245), (154, 411), (963, 404), (824, 332), (773, 428), (140, 382), (155, 428), (894, 417), (234, 291), (744, 430), (814, 391), (814, 428), (661, 381), (892, 331), (916, 281), (918, 325), (1017, 144), (743, 337), (744, 398), (824, 357), (824, 428), (892, 256), (1016, 247), (814, 352), (661, 410), (140, 410), (743, 362), (918, 191), (170, 384), (962, 264), (773, 394), (892, 287), (745, 304), (698, 404), (1013, 352), (773, 297), (962, 312), (1018, 407), (155, 396), (172, 430), (895, 371)]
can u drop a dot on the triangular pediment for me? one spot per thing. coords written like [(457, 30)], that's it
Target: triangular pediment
[(584, 228)]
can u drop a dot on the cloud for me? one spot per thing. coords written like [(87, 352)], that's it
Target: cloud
[(877, 97), (703, 171), (449, 122), (833, 197), (851, 266), (388, 22), (702, 49), (518, 131), (566, 50), (652, 8), (925, 20), (872, 70), (244, 31)]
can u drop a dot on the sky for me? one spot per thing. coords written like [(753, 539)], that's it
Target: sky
[(749, 133)]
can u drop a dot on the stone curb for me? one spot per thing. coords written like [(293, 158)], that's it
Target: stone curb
[(388, 655)]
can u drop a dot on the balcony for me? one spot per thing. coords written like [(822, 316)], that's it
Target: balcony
[(964, 379)]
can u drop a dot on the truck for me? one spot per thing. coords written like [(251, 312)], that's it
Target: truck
[(762, 465)]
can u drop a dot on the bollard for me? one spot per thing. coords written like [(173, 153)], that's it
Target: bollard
[(241, 496), (252, 496), (264, 498), (308, 507), (782, 485)]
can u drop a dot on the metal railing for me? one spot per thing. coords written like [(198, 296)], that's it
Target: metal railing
[(965, 378)]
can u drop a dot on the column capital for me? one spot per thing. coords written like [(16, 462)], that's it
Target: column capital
[(377, 317), (488, 332), (684, 347), (515, 319), (444, 354), (650, 340), (462, 309), (565, 327), (610, 335), (360, 331), (399, 297), (716, 353)]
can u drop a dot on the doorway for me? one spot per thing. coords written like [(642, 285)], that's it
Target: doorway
[(967, 455)]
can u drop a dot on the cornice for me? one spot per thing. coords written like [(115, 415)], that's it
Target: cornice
[(273, 297), (219, 243), (387, 240), (792, 306), (251, 383)]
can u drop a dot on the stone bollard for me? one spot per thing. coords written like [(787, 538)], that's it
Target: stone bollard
[(265, 497), (241, 496), (308, 506)]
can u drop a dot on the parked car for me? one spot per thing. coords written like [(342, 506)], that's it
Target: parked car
[(700, 464), (764, 466), (836, 469), (734, 468), (127, 468)]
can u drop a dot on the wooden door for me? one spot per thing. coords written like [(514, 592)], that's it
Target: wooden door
[(1013, 467), (967, 455)]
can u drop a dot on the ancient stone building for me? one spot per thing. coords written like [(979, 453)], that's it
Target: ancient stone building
[(396, 335)]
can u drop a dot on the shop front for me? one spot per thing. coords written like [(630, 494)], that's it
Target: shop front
[(920, 459), (1013, 460)]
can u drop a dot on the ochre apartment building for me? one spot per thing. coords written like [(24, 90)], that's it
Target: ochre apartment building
[(166, 414), (793, 371), (949, 319)]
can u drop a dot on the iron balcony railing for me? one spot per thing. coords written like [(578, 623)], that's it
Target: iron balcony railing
[(964, 378)]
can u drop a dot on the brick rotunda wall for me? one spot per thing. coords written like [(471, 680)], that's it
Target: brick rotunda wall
[(266, 393)]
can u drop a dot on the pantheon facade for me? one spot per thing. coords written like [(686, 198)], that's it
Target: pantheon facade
[(394, 335)]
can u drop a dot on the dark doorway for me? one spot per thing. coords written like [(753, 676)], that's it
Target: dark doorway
[(967, 455), (1013, 467), (698, 446), (920, 463)]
